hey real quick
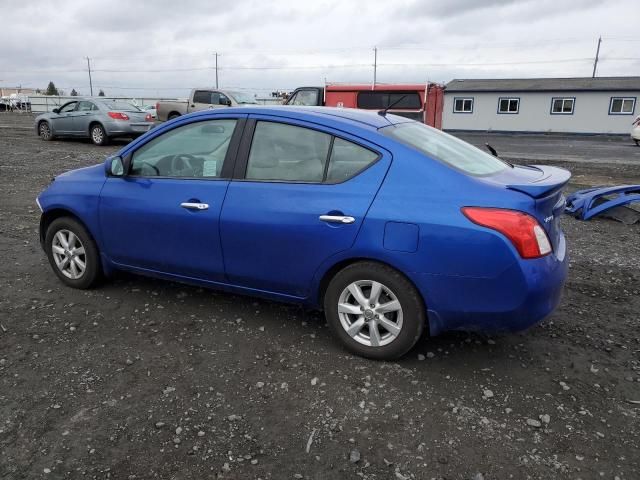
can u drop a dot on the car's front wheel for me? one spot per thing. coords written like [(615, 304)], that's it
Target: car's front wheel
[(72, 253), (44, 131), (374, 310), (98, 135)]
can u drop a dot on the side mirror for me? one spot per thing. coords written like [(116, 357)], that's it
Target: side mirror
[(228, 102), (116, 167), (56, 110)]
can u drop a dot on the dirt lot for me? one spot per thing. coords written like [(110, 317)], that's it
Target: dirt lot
[(148, 379)]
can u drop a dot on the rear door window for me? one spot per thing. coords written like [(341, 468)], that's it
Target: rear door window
[(202, 96), (281, 152), (86, 106)]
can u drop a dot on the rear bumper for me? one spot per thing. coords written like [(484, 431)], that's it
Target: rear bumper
[(519, 297), (635, 133), (120, 127)]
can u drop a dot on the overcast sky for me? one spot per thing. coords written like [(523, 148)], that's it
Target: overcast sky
[(165, 47)]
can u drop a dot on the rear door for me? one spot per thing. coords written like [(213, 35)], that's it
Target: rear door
[(299, 196), (163, 216)]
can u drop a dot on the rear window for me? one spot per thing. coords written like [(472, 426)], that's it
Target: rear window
[(446, 148), (120, 105), (380, 100)]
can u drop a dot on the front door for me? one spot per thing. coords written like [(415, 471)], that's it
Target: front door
[(62, 121), (302, 198), (163, 216)]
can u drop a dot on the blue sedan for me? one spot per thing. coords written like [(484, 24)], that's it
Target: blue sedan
[(390, 226)]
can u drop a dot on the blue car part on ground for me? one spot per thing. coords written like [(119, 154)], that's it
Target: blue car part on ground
[(586, 204), (477, 241)]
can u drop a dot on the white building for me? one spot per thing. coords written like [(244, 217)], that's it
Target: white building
[(605, 105)]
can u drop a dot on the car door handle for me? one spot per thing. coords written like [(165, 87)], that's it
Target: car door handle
[(194, 206), (337, 219)]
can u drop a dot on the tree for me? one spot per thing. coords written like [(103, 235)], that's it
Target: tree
[(51, 89), (74, 93), (101, 93)]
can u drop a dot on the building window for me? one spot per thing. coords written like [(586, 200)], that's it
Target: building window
[(622, 105), (562, 106), (463, 105), (508, 105)]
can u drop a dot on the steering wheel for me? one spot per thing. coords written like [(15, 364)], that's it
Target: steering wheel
[(183, 162), (150, 165)]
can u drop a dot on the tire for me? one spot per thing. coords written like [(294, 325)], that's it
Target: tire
[(173, 115), (408, 321), (53, 245), (98, 135), (44, 131), (637, 142)]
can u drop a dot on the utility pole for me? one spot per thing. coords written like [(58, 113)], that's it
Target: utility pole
[(90, 83), (595, 62), (375, 66), (216, 55)]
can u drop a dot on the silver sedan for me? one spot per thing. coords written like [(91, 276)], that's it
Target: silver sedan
[(96, 119)]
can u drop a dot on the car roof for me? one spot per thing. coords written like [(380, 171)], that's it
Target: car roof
[(364, 118)]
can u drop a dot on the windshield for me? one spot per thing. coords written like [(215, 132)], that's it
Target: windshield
[(446, 148), (121, 105), (243, 98)]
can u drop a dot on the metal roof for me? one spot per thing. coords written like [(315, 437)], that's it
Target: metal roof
[(598, 84)]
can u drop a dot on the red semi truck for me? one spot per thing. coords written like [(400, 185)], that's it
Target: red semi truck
[(421, 102)]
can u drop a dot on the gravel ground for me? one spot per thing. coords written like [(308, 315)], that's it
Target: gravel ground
[(149, 379)]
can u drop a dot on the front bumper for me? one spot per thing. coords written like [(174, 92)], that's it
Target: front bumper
[(519, 297)]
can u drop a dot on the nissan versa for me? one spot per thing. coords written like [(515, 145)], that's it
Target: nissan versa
[(391, 226)]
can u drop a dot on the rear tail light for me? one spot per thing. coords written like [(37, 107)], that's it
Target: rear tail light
[(148, 118), (118, 115), (520, 228)]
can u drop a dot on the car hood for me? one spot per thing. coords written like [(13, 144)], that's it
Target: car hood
[(85, 173)]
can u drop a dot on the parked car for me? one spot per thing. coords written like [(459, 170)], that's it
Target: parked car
[(391, 226), (201, 99), (150, 109), (635, 130), (99, 120)]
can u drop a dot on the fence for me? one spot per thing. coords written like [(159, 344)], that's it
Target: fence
[(46, 103)]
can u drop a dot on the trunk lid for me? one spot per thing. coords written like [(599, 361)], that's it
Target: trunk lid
[(544, 184)]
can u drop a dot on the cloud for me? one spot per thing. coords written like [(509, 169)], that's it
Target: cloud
[(287, 40)]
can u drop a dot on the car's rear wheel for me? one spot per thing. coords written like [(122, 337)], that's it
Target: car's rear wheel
[(637, 142), (174, 115), (98, 135), (374, 310), (44, 131), (72, 253)]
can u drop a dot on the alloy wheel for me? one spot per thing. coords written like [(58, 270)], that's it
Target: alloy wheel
[(69, 254), (370, 313), (45, 131), (97, 135)]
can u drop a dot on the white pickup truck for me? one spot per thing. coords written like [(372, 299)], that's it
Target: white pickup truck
[(201, 99)]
